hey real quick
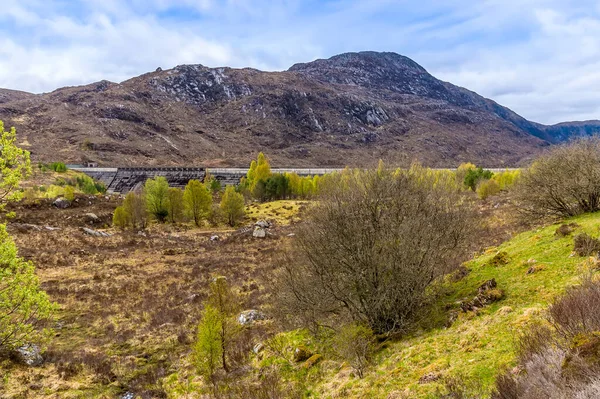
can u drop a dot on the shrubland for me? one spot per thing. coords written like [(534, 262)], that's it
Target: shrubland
[(381, 286)]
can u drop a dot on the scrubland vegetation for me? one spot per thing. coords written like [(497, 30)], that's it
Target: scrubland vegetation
[(383, 283)]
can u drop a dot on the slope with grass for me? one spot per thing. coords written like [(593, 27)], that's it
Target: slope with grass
[(478, 345)]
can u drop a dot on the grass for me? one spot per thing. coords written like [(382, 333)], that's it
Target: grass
[(283, 212), (476, 347)]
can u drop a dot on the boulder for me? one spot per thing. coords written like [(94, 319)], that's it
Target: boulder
[(62, 203), (263, 224), (259, 232), (215, 238), (250, 316), (30, 355), (92, 218), (95, 233)]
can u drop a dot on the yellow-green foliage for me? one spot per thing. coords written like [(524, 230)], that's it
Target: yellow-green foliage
[(69, 193), (197, 200), (22, 302), (488, 188), (15, 165), (232, 205), (507, 178), (121, 218), (478, 345)]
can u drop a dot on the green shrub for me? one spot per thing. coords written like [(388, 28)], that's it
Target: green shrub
[(69, 193), (58, 167), (120, 218), (355, 343), (473, 176), (487, 188)]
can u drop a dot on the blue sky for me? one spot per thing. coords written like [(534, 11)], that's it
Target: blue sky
[(539, 57)]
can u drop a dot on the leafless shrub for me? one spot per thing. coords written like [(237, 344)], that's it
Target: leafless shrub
[(563, 362), (585, 245), (564, 182), (373, 247), (578, 310), (565, 229)]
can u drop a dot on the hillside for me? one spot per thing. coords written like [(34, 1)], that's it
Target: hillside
[(126, 323), (351, 109), (478, 345)]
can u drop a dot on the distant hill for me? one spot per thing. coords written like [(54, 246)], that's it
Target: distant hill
[(351, 109)]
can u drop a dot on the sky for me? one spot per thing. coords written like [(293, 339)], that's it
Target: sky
[(540, 58)]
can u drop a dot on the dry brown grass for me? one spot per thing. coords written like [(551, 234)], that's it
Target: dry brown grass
[(129, 304)]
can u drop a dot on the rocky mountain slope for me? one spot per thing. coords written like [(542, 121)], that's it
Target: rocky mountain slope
[(352, 109)]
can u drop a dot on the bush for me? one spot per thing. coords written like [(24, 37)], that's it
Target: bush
[(565, 229), (120, 218), (355, 344), (474, 176), (58, 167), (487, 188), (560, 359), (565, 182), (585, 245), (368, 252), (69, 193)]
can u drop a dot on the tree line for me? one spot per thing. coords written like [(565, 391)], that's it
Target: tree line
[(162, 203)]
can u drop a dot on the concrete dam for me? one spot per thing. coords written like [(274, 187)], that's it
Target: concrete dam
[(123, 180)]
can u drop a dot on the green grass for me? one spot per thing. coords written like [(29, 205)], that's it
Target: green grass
[(476, 346)]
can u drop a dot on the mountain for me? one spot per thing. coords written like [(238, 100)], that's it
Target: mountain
[(352, 109)]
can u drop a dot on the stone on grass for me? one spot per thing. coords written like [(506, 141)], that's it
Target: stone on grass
[(29, 355), (250, 316), (62, 203), (259, 232)]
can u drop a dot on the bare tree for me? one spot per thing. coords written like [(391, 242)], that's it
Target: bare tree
[(373, 247), (564, 182)]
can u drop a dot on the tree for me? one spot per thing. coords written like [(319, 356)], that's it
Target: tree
[(216, 331), (197, 201), (225, 302), (24, 307), (263, 168), (474, 176), (563, 182), (15, 165), (232, 205), (121, 218), (175, 205), (157, 194), (135, 207), (374, 246), (208, 349)]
